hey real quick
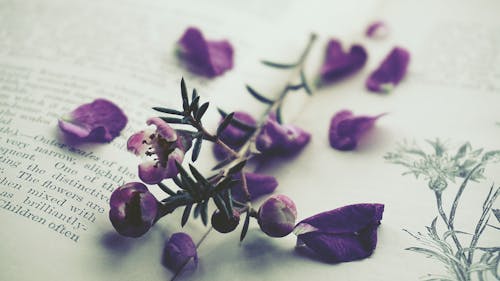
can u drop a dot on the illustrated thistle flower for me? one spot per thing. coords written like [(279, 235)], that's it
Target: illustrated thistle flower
[(390, 72), (178, 251), (98, 121), (162, 147), (277, 216), (204, 57), (281, 140), (257, 185), (234, 136), (347, 129), (222, 223), (344, 234), (377, 30), (339, 64), (133, 209)]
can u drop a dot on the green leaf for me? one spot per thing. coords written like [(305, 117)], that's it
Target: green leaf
[(244, 230), (198, 176), (168, 110), (187, 182), (204, 212), (185, 214), (194, 94), (202, 110), (258, 96), (219, 202), (278, 65), (196, 211), (165, 188), (279, 116), (185, 101), (238, 124), (237, 168), (223, 163), (177, 181), (194, 104), (227, 120), (196, 149), (173, 120)]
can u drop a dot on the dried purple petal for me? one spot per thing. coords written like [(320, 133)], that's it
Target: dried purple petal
[(347, 129), (209, 58), (339, 64), (178, 251), (277, 216), (161, 148), (390, 72), (344, 234), (377, 30), (282, 140), (133, 209), (98, 121), (257, 185), (233, 136)]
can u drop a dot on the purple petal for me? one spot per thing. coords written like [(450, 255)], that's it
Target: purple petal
[(209, 58), (257, 184), (99, 121), (163, 129), (178, 251), (344, 234), (153, 172), (339, 64), (283, 140), (390, 72), (139, 143), (347, 129), (377, 29), (235, 136)]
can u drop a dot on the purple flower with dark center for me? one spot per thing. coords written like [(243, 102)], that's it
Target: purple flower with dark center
[(133, 209), (234, 136), (281, 140), (98, 121), (277, 216), (377, 30), (390, 72), (344, 234), (178, 251), (222, 223), (208, 58), (339, 64), (257, 185), (347, 129), (161, 148)]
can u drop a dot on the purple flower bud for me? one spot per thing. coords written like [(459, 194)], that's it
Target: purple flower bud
[(161, 149), (257, 185), (339, 64), (277, 216), (133, 209), (98, 121), (233, 136), (344, 234), (346, 129), (224, 225), (178, 251), (208, 58), (377, 30), (281, 140), (390, 72)]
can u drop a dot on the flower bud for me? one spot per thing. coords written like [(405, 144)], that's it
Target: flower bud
[(224, 225), (133, 209), (277, 216)]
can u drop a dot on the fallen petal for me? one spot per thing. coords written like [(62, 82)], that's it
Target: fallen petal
[(281, 140), (346, 129), (339, 64), (178, 251), (98, 121), (377, 30), (390, 72), (257, 184)]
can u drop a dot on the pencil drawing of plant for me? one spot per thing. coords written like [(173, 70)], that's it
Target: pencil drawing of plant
[(456, 249)]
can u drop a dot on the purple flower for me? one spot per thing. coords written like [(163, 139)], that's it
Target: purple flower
[(281, 140), (339, 64), (234, 136), (277, 216), (223, 224), (344, 234), (209, 58), (133, 209), (161, 148), (390, 72), (98, 121), (346, 129), (257, 185), (377, 30), (178, 251)]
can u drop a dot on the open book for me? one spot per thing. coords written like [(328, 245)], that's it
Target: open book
[(58, 54)]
